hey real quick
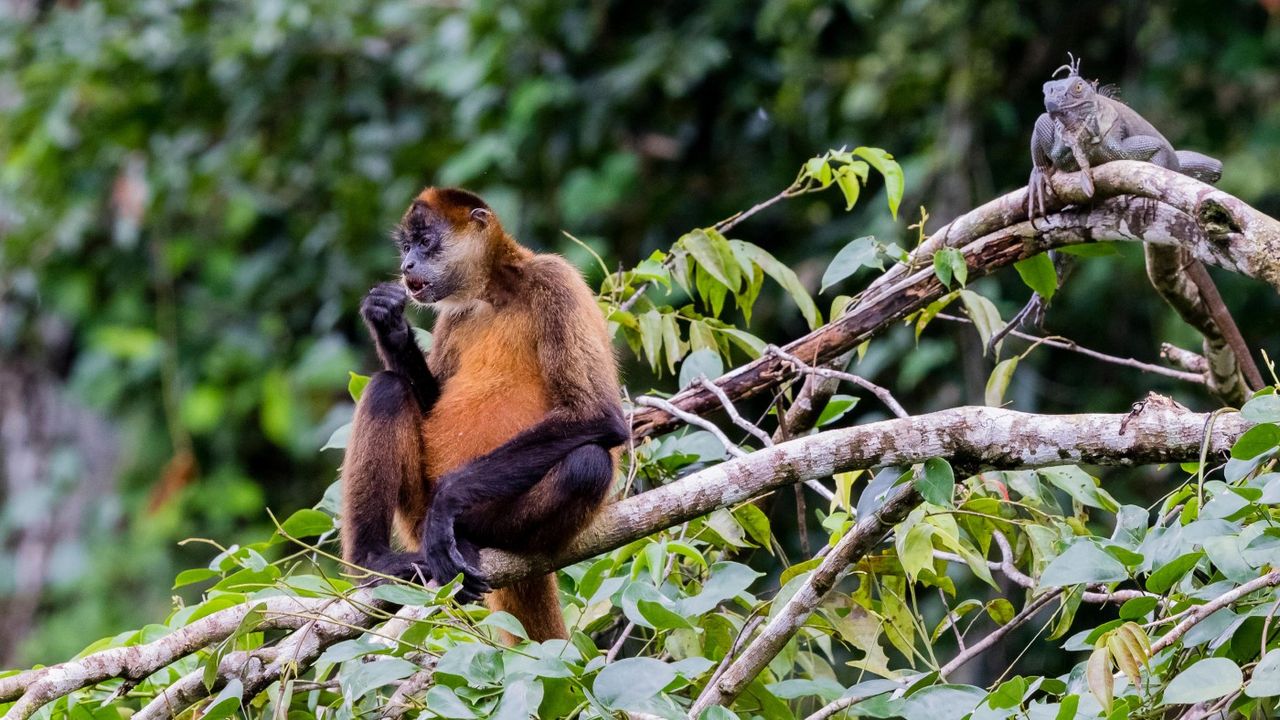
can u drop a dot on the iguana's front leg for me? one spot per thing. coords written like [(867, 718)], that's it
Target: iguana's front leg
[(1082, 159), (1041, 167)]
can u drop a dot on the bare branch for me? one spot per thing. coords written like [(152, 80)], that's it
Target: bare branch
[(1198, 614), (1073, 346), (729, 446), (1134, 201), (801, 366), (990, 437)]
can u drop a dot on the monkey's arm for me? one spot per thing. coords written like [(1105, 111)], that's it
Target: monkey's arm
[(383, 313)]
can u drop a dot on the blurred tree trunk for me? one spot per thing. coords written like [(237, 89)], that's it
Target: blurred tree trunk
[(57, 459)]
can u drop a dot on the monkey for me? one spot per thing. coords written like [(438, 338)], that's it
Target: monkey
[(500, 436)]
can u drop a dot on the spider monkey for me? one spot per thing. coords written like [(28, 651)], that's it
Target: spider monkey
[(502, 435)]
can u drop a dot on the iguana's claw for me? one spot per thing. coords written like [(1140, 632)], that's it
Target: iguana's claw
[(1086, 182), (1037, 187)]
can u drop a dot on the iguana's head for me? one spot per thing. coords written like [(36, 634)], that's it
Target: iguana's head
[(1070, 95)]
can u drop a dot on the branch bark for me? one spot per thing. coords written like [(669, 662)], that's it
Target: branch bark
[(968, 436), (1133, 202)]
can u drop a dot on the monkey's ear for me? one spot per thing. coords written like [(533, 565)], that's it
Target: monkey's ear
[(482, 216)]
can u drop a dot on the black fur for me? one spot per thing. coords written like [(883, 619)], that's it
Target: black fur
[(383, 313), (504, 474)]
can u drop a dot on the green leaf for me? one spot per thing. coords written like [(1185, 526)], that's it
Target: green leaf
[(520, 699), (1266, 677), (726, 580), (442, 701), (937, 483), (1169, 573), (307, 523), (1039, 274), (1255, 441), (700, 363), (1080, 485), (338, 439), (631, 682), (998, 382), (193, 576), (854, 256), (356, 385), (1009, 694), (786, 277), (227, 702), (507, 622), (1205, 680), (1262, 409), (949, 263), (660, 617), (985, 316), (1083, 562), (714, 255), (651, 336), (755, 522), (1001, 611), (358, 679), (405, 594), (1137, 608), (894, 181)]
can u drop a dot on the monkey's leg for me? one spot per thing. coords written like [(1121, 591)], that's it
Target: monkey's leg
[(382, 470), (500, 477), (544, 519)]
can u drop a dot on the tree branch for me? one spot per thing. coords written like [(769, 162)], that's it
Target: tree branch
[(968, 436), (1133, 201)]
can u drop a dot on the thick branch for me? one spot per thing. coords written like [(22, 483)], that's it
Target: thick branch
[(968, 436), (864, 535), (1133, 202), (975, 437)]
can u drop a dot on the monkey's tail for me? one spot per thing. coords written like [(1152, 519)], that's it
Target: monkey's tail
[(535, 602)]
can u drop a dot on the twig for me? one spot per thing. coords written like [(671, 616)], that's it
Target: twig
[(959, 660), (857, 542), (1200, 612), (734, 415), (694, 420), (1070, 345), (998, 438), (801, 366)]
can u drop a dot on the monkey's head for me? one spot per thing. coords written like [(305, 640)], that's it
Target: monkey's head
[(445, 239)]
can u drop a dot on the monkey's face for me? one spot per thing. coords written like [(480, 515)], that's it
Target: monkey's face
[(440, 254)]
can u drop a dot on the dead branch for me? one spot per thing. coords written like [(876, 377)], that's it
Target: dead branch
[(1134, 202), (968, 436)]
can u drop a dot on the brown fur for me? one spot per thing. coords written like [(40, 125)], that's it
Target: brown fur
[(521, 342)]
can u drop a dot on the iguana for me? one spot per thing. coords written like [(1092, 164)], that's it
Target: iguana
[(1084, 127)]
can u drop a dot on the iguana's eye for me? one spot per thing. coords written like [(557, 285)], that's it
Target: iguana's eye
[(1079, 87)]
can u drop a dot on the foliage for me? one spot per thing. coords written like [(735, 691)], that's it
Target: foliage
[(651, 621)]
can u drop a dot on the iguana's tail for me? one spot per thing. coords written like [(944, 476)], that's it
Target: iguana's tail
[(1200, 167)]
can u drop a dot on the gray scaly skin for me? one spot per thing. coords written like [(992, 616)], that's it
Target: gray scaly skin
[(1084, 128)]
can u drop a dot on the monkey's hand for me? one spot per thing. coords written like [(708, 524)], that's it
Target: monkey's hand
[(383, 313), (446, 555)]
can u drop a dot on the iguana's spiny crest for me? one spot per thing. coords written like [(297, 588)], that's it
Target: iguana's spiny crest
[(1072, 94)]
